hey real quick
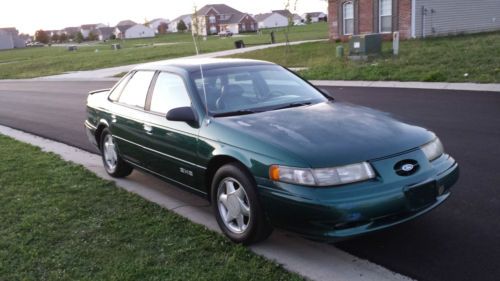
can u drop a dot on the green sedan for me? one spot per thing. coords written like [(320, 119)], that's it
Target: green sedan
[(268, 149)]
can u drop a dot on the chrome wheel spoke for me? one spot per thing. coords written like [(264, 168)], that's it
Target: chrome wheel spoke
[(230, 187), (223, 200), (240, 221), (245, 209)]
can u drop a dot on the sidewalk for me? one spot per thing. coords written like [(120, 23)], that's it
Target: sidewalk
[(410, 85)]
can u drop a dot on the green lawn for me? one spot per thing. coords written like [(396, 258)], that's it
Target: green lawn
[(470, 58), (35, 62), (60, 222)]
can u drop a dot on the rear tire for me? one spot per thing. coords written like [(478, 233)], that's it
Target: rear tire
[(113, 163), (236, 206)]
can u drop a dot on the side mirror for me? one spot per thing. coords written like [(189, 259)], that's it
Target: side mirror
[(182, 114)]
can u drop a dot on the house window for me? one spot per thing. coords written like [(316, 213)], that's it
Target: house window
[(211, 19), (385, 16), (348, 12), (243, 27), (213, 29)]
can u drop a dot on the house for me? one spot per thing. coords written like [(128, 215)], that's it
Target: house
[(105, 33), (271, 20), (294, 18), (134, 31), (71, 31), (297, 19), (156, 23), (187, 19), (315, 16), (412, 18), (212, 19), (86, 29), (10, 39)]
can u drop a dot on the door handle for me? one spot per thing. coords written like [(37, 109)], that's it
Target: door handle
[(148, 129)]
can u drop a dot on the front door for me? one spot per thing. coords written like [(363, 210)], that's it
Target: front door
[(175, 143)]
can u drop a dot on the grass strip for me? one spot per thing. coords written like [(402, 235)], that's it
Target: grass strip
[(60, 222)]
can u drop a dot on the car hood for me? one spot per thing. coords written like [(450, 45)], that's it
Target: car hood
[(323, 135)]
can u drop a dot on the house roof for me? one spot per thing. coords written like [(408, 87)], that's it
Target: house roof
[(88, 26), (221, 9), (262, 17), (159, 20), (182, 17), (126, 23), (285, 13), (105, 31), (71, 29), (123, 28), (296, 17)]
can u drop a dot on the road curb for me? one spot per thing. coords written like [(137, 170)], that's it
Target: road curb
[(314, 261), (410, 85)]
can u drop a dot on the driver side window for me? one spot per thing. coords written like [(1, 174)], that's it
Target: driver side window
[(169, 92)]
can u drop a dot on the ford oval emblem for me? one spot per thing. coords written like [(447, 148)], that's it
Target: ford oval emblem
[(407, 167)]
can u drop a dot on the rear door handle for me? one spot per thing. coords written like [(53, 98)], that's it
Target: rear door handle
[(148, 129)]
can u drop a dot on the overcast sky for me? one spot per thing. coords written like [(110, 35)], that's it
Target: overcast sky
[(31, 15)]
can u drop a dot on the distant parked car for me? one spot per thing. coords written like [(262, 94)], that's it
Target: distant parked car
[(35, 44), (267, 148), (225, 33)]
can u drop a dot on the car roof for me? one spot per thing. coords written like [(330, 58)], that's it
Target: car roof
[(193, 64)]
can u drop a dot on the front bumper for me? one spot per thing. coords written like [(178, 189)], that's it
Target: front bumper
[(337, 213)]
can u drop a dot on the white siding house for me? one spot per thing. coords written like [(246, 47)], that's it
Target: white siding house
[(6, 41), (155, 24), (445, 17), (139, 31), (10, 39), (271, 20), (172, 27), (315, 17)]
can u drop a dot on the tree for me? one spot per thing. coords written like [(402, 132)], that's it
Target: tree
[(181, 26), (162, 28), (308, 18), (93, 36), (42, 37), (63, 38), (79, 37), (55, 38)]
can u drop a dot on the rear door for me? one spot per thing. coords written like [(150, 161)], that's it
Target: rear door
[(175, 143), (128, 115)]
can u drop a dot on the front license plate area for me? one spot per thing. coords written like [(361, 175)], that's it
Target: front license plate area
[(421, 195)]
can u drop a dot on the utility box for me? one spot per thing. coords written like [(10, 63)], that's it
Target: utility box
[(362, 46)]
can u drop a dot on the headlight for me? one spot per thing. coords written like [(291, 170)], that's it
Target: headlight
[(322, 177), (433, 150)]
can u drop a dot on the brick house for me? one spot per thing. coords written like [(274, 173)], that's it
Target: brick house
[(212, 19), (412, 18)]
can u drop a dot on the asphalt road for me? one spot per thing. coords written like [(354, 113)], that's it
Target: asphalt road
[(458, 241)]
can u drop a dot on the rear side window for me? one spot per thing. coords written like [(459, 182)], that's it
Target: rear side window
[(119, 88), (169, 92), (135, 92)]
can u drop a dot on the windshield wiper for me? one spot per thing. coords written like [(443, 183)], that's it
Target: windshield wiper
[(294, 104), (235, 113)]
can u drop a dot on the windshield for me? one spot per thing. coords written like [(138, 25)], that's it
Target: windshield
[(249, 89)]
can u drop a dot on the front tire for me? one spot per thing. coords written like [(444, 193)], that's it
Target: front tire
[(113, 163), (236, 206)]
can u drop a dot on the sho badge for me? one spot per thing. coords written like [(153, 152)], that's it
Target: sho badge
[(186, 172)]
